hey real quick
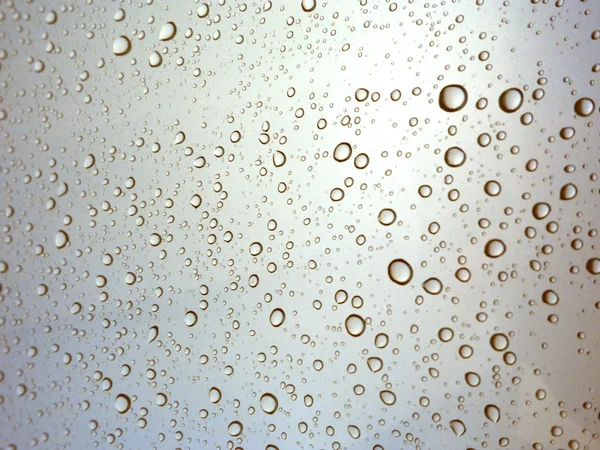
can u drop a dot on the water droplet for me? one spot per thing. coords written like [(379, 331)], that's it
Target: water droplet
[(277, 317), (203, 10), (167, 31), (152, 333), (465, 351), (495, 248), (433, 286), (337, 195), (395, 95), (400, 272), (190, 318), (355, 325), (269, 403), (541, 210), (155, 59), (361, 161), (235, 428), (121, 46), (492, 188), (279, 158), (455, 157), (354, 431), (361, 94), (511, 100), (567, 133), (584, 107), (342, 152), (122, 403), (499, 342), (472, 379), (155, 239), (458, 427), (492, 412), (381, 340), (375, 364), (445, 334), (196, 201), (89, 161), (214, 395), (51, 17), (568, 191), (341, 296), (119, 15), (309, 5), (453, 98), (161, 399), (549, 297), (61, 239), (256, 248), (386, 216), (387, 397), (593, 266)]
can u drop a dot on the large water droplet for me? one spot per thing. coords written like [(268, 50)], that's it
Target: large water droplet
[(458, 427), (510, 100), (549, 297), (269, 403), (400, 272), (387, 397), (61, 239), (355, 325), (584, 107), (214, 395), (277, 317), (152, 333), (433, 286), (593, 266), (309, 5), (455, 157), (235, 428), (167, 31), (122, 403), (190, 318), (256, 248), (203, 10), (453, 98), (386, 216), (445, 334), (353, 431), (495, 248), (342, 152), (155, 59), (541, 210), (568, 191), (361, 94), (375, 364), (89, 161), (492, 412), (121, 46), (499, 342)]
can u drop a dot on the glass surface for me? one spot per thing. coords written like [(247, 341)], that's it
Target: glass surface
[(299, 224)]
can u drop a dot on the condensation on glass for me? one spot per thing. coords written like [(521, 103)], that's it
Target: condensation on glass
[(299, 224)]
